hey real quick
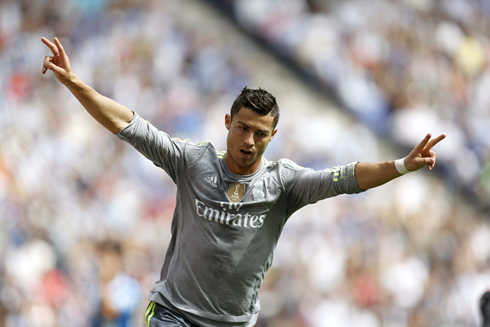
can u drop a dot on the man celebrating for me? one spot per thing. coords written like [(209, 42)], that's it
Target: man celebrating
[(231, 206)]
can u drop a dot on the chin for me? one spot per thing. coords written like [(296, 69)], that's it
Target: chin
[(245, 164)]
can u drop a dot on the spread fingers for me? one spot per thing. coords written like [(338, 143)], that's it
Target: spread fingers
[(50, 45), (433, 142)]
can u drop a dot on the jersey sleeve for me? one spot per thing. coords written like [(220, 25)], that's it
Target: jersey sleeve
[(157, 146), (305, 185)]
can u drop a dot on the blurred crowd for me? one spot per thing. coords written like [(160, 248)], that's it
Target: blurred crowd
[(85, 219), (402, 67)]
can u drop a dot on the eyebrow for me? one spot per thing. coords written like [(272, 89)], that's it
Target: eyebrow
[(260, 130)]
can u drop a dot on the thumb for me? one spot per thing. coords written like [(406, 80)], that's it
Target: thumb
[(55, 68), (415, 164), (429, 162)]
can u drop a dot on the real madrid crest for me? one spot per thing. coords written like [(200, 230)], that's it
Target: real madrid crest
[(236, 191)]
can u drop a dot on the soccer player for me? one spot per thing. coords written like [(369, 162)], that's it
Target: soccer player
[(231, 206)]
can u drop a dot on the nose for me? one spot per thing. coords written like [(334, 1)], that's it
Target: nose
[(249, 140)]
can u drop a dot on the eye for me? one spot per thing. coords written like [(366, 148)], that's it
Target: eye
[(262, 134)]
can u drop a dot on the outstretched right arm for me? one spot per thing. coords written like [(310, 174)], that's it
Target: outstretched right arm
[(107, 112)]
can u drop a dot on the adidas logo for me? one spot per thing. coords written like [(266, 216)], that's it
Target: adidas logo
[(212, 180)]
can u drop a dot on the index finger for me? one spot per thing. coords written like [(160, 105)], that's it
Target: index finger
[(50, 45), (433, 142), (60, 47), (419, 147)]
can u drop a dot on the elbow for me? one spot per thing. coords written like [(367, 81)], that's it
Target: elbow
[(118, 125)]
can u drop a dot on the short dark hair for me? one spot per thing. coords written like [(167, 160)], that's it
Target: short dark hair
[(258, 100)]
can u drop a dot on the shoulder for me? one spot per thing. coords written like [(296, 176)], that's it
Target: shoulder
[(194, 146), (289, 165), (288, 171), (197, 151)]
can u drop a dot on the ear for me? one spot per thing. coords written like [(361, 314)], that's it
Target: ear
[(228, 121), (273, 133)]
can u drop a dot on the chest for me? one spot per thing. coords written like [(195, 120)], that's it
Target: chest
[(210, 182)]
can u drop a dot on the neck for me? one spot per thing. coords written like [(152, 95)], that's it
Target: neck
[(242, 170)]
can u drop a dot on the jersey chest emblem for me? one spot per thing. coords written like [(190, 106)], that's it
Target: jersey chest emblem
[(235, 192)]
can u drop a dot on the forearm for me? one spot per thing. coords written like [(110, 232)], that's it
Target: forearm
[(106, 111), (369, 174)]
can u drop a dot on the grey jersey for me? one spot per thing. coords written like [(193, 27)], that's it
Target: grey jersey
[(225, 226)]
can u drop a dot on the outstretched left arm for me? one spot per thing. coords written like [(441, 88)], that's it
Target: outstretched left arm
[(369, 175)]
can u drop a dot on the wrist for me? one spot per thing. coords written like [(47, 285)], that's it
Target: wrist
[(70, 79), (400, 166)]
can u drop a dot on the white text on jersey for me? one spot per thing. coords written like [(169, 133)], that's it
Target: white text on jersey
[(225, 217)]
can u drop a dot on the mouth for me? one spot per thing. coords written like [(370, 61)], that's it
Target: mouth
[(246, 152)]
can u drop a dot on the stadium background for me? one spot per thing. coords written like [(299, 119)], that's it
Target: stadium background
[(84, 219)]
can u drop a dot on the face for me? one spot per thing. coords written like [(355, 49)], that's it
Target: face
[(248, 136)]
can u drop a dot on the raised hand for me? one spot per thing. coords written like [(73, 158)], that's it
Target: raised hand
[(422, 155), (58, 63)]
